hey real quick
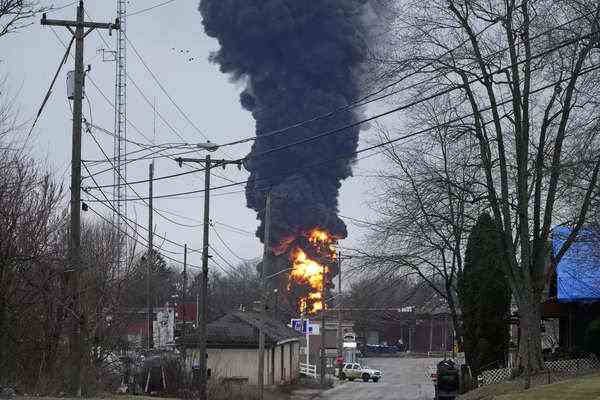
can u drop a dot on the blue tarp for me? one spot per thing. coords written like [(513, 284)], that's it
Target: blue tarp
[(578, 272)]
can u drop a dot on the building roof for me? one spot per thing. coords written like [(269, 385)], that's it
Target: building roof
[(578, 272), (240, 329)]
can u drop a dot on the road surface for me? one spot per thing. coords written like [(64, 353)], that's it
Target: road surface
[(403, 379)]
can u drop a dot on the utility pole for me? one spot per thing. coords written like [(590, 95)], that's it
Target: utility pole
[(323, 358), (202, 300), (150, 257), (340, 339), (204, 281), (185, 277), (261, 333), (73, 269)]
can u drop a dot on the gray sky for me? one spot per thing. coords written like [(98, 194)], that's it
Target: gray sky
[(30, 59)]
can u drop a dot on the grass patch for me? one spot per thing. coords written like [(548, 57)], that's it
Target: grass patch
[(583, 388), (587, 388)]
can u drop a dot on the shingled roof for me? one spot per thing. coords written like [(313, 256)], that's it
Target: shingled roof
[(240, 329)]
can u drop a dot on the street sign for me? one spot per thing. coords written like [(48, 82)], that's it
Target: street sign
[(297, 325), (304, 325)]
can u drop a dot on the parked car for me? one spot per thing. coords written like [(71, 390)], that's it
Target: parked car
[(352, 371)]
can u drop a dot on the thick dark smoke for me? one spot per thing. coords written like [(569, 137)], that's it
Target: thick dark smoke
[(298, 59)]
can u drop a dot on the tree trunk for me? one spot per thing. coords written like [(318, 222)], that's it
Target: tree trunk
[(456, 323), (530, 360)]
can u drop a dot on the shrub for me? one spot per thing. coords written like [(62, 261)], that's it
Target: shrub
[(592, 338)]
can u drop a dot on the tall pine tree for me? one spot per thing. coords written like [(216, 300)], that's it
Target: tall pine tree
[(484, 295)]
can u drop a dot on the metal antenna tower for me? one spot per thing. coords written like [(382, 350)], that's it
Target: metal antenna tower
[(120, 138)]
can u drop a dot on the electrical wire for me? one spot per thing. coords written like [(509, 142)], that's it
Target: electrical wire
[(162, 88), (403, 107), (127, 184), (53, 9), (144, 10), (421, 100), (231, 273), (411, 104), (225, 244), (142, 146), (193, 266), (101, 92), (141, 92), (49, 91), (360, 102), (383, 144), (157, 210), (127, 220), (151, 156), (131, 223)]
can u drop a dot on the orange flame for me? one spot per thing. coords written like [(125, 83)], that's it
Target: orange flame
[(312, 272)]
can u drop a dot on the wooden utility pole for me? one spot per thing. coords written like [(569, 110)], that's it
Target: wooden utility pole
[(202, 300), (324, 294), (150, 257), (185, 276), (73, 269), (340, 338), (265, 261), (204, 281)]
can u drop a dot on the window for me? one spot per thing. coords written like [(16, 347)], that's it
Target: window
[(348, 366), (356, 366)]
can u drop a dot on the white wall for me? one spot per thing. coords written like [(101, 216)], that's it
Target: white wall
[(243, 363)]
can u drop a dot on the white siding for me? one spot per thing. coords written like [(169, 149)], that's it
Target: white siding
[(243, 363)]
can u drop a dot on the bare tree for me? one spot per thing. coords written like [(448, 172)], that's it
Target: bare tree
[(431, 194), (28, 222), (527, 77), (17, 14)]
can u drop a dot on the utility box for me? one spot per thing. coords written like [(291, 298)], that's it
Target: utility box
[(71, 86)]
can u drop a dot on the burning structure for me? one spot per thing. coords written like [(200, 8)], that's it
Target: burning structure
[(298, 60), (311, 267)]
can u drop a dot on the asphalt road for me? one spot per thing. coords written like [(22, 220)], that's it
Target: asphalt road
[(403, 379)]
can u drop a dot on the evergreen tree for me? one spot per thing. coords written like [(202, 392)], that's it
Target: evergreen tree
[(484, 295), (163, 282)]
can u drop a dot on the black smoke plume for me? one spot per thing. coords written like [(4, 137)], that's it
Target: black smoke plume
[(298, 59)]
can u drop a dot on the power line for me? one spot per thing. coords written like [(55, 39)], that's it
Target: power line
[(101, 92), (419, 101), (124, 217), (158, 211), (144, 10), (121, 216), (123, 178), (241, 231), (54, 9), (141, 92), (177, 106), (143, 245), (162, 88), (49, 91), (151, 156), (133, 224), (225, 243), (360, 103), (383, 144), (243, 190)]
